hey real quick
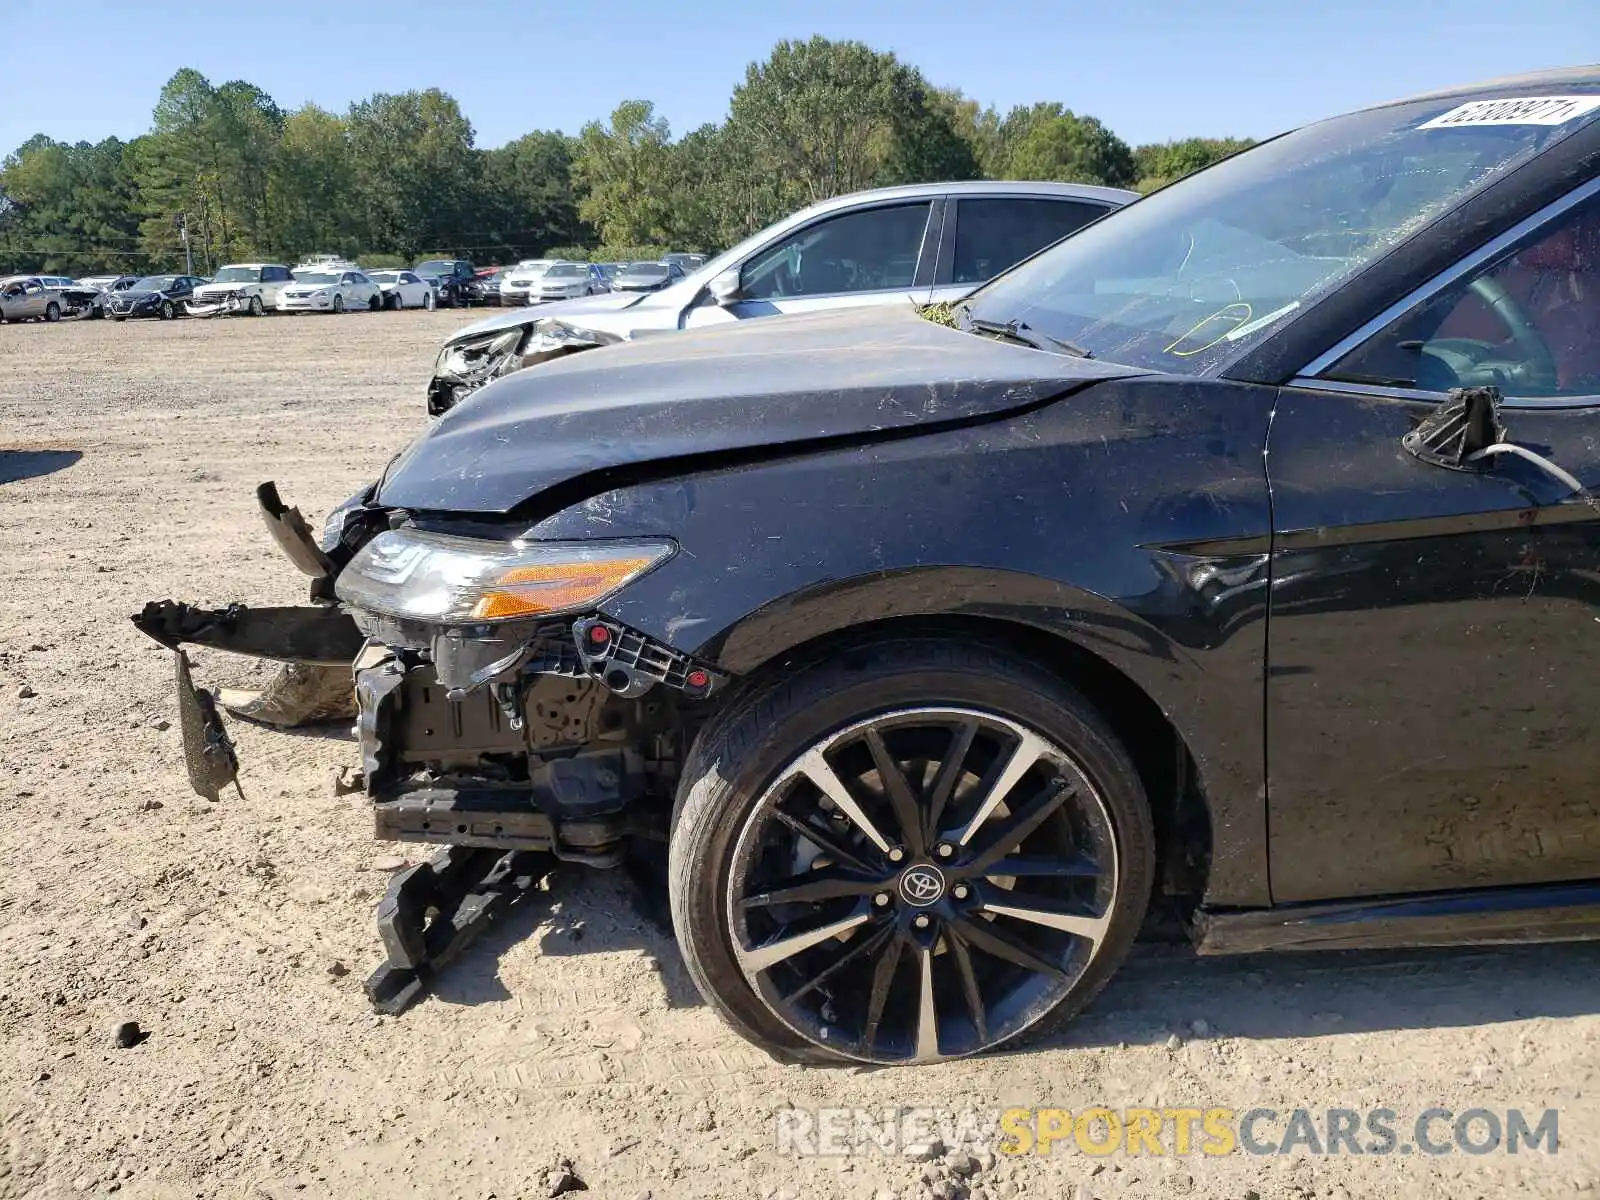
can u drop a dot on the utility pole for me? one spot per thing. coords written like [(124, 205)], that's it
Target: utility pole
[(188, 251)]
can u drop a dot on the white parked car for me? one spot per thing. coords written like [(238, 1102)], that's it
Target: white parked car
[(404, 289), (515, 283), (250, 288), (329, 291)]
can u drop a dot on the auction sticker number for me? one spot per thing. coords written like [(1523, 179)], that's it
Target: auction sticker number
[(1522, 110)]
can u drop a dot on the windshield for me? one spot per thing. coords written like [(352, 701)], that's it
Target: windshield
[(566, 271), (316, 277), (238, 275), (649, 270), (533, 266), (384, 276), (436, 267), (1189, 278), (155, 283)]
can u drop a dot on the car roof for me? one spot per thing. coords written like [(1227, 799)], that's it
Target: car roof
[(1529, 83), (984, 187)]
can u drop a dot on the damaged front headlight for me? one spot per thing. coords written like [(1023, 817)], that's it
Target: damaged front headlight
[(333, 524), (481, 358), (444, 580)]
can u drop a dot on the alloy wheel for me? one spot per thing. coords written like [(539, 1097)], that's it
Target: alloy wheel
[(924, 884)]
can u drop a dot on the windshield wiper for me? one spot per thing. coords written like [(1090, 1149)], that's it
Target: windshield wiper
[(1019, 333)]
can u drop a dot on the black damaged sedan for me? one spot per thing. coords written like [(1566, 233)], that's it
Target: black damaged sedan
[(153, 296), (1235, 550)]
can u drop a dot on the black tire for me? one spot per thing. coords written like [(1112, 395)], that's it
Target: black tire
[(52, 312), (257, 309), (429, 303), (391, 300), (375, 304), (168, 312), (766, 728), (338, 304)]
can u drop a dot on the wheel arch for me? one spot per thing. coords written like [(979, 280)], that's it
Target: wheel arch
[(1181, 806)]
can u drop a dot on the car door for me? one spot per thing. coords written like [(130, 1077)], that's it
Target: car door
[(35, 298), (1432, 634), (985, 235), (862, 256)]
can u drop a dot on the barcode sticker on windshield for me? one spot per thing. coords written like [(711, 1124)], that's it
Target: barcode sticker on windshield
[(1521, 110)]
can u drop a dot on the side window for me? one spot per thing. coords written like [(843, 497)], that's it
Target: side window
[(996, 233), (854, 252), (1527, 322)]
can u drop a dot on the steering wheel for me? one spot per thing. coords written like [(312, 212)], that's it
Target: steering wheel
[(1473, 363)]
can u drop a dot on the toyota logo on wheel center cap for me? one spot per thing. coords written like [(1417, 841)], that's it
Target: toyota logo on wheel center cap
[(922, 885)]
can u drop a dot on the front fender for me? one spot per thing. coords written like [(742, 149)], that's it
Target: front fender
[(1132, 519)]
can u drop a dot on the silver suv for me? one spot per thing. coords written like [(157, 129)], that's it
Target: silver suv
[(926, 243)]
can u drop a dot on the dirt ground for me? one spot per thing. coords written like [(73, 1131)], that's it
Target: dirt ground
[(238, 934)]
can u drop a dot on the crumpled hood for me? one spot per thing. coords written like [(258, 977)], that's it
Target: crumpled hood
[(594, 311), (764, 383)]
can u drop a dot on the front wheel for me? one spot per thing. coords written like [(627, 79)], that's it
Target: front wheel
[(374, 303), (52, 311), (338, 304), (915, 850), (256, 307), (168, 312), (429, 303)]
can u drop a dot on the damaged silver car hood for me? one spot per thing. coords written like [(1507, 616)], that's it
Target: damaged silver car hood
[(735, 387), (602, 311)]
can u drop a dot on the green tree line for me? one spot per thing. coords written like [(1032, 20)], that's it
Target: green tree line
[(398, 176)]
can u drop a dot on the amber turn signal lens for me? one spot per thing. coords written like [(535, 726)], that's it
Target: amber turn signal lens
[(554, 587)]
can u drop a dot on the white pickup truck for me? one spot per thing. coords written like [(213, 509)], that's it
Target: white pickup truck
[(250, 288)]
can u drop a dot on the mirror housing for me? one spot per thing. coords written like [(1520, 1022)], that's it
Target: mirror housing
[(725, 288), (1453, 435)]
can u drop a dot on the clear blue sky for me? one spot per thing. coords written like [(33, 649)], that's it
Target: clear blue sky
[(1151, 69)]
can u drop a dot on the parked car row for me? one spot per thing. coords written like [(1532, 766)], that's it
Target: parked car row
[(546, 280), (321, 283), (327, 283)]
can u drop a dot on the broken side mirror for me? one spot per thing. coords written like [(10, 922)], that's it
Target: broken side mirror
[(726, 288), (1456, 433)]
